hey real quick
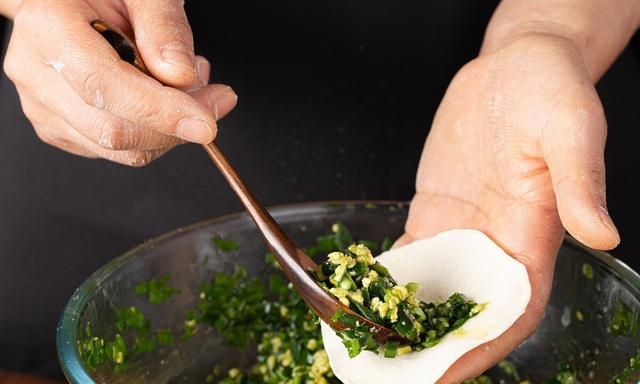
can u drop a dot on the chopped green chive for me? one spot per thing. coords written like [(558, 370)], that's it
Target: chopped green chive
[(355, 278), (387, 243), (157, 290), (587, 271), (225, 245)]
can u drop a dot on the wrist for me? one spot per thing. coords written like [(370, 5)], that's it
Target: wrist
[(598, 29), (501, 35), (8, 8)]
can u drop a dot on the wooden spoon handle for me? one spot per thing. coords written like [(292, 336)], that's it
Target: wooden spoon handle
[(278, 240), (294, 261)]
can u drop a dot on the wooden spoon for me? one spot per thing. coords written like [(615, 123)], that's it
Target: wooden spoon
[(295, 263)]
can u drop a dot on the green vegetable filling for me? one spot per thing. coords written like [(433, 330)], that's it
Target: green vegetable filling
[(157, 290), (286, 334), (355, 278), (225, 245)]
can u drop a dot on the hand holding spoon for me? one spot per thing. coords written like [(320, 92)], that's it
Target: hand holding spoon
[(295, 264)]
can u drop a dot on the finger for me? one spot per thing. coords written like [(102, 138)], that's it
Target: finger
[(95, 72), (101, 127), (49, 133), (131, 158), (57, 98), (218, 98), (165, 40), (573, 144), (55, 131), (204, 69)]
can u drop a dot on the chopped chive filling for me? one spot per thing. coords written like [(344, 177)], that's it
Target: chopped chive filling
[(271, 318), (566, 374), (387, 243), (340, 238), (587, 271), (134, 337), (624, 322), (157, 290), (224, 244), (629, 372), (355, 278)]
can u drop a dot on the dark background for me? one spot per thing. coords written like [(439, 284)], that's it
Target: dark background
[(335, 103)]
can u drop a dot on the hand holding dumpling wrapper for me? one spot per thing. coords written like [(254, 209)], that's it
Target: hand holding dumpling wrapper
[(464, 261)]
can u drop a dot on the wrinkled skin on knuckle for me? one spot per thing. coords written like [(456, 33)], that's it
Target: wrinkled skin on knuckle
[(87, 83), (162, 110), (150, 112), (139, 159), (113, 135)]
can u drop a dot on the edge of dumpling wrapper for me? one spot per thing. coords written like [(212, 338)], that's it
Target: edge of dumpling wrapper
[(460, 260)]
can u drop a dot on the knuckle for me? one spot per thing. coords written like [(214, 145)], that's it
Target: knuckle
[(46, 135), (27, 14), (32, 114), (138, 159), (113, 136), (152, 112), (88, 83), (11, 67)]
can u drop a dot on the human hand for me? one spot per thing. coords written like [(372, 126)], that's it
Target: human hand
[(516, 150), (82, 98)]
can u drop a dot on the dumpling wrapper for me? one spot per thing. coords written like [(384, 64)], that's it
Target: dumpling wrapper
[(461, 260)]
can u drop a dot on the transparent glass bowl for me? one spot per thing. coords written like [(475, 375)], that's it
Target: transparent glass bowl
[(190, 257)]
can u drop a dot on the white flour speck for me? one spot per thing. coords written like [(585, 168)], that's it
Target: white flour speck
[(58, 65), (99, 100)]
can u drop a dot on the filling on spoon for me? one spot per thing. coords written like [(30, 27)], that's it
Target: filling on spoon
[(366, 287)]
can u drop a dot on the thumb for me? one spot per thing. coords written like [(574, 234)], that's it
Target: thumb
[(165, 40), (573, 145)]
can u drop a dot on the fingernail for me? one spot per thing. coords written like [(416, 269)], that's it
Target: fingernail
[(203, 68), (224, 103), (195, 130), (178, 56), (603, 213)]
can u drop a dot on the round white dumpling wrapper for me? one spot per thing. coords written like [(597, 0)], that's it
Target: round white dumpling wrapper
[(461, 260)]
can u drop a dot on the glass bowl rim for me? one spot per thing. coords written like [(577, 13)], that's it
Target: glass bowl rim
[(67, 328)]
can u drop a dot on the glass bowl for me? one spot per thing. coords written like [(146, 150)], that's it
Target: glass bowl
[(590, 290)]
